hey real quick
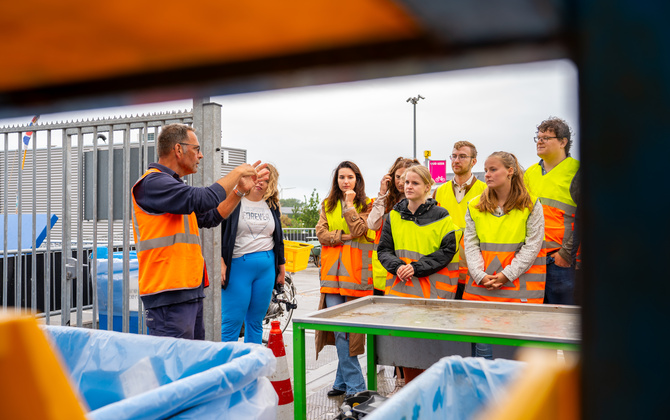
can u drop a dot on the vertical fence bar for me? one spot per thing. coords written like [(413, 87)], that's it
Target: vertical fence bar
[(110, 230), (126, 226), (144, 165), (5, 255), (66, 243), (18, 274), (33, 258), (47, 256), (80, 228), (93, 267)]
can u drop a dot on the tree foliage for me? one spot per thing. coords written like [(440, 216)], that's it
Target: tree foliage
[(285, 221), (307, 214), (290, 202)]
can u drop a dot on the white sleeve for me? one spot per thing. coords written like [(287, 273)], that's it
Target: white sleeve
[(473, 253), (377, 213)]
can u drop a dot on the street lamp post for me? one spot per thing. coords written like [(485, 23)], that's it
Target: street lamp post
[(414, 101)]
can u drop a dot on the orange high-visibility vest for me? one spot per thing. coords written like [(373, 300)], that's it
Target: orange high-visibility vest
[(168, 249), (411, 242), (346, 269), (553, 190), (500, 238), (445, 197)]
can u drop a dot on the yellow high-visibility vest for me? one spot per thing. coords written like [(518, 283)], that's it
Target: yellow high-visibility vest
[(553, 190), (500, 238), (412, 242)]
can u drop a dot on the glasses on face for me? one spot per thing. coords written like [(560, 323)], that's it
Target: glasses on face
[(543, 139), (195, 147), (459, 157)]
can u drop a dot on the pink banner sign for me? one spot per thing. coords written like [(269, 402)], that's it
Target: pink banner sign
[(438, 170)]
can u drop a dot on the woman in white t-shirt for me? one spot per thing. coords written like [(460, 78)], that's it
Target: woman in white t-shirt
[(252, 257)]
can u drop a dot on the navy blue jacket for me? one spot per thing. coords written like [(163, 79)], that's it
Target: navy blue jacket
[(229, 234)]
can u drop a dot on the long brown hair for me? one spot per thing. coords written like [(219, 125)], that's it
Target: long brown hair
[(335, 194), (394, 193), (518, 196), (272, 193)]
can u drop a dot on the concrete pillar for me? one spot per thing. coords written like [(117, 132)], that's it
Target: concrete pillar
[(207, 123)]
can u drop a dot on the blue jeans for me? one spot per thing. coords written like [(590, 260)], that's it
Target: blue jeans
[(247, 297), (560, 286), (482, 350), (349, 377)]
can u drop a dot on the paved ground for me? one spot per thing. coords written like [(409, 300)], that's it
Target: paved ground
[(321, 373)]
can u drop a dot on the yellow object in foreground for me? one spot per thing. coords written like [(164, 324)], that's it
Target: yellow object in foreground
[(33, 384), (296, 255), (548, 389)]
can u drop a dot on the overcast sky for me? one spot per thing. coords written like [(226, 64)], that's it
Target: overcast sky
[(307, 132)]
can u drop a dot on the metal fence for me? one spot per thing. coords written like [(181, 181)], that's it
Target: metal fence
[(299, 234), (80, 173)]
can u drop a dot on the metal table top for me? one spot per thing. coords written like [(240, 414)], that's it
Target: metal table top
[(547, 323)]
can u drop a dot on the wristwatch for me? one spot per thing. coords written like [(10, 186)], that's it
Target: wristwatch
[(239, 193)]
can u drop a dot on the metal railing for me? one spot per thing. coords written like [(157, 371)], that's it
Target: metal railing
[(61, 160), (299, 234)]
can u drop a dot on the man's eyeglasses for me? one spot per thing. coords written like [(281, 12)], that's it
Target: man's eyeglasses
[(459, 157), (543, 139), (195, 147)]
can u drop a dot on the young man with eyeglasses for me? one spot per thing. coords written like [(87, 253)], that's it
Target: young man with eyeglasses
[(455, 195), (167, 215), (554, 181)]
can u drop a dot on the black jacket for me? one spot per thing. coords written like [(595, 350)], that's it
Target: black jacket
[(229, 233), (427, 213)]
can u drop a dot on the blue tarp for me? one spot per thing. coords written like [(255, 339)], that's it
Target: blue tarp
[(117, 297), (26, 230), (128, 376), (454, 388)]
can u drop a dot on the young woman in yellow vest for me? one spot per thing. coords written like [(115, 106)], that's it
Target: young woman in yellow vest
[(419, 245), (503, 240), (391, 192), (346, 268)]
